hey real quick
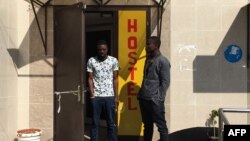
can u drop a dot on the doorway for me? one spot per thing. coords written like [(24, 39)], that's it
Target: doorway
[(94, 24), (98, 26), (75, 43)]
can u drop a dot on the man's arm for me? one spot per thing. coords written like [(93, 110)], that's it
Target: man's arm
[(91, 84), (164, 77), (115, 85)]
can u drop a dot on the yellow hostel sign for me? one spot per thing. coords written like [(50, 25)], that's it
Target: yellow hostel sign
[(131, 55)]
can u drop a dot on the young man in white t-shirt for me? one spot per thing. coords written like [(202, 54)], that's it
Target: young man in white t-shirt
[(103, 83)]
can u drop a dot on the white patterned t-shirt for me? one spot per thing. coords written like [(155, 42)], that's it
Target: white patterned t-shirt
[(103, 75)]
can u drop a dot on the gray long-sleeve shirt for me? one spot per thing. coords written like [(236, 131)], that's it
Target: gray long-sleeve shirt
[(156, 79)]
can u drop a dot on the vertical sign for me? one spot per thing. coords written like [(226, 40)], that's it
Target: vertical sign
[(131, 55)]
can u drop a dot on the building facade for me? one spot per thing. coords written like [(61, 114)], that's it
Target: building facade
[(195, 34)]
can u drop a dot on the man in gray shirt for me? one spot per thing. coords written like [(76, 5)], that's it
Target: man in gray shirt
[(151, 96)]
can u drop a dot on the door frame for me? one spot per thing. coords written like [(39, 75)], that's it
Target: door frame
[(114, 43)]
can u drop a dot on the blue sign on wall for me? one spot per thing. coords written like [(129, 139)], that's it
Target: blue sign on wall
[(233, 53)]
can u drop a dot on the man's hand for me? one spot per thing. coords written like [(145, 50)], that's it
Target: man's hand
[(116, 103)]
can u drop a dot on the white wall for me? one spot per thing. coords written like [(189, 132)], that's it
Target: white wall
[(202, 80), (23, 20), (14, 86), (8, 72)]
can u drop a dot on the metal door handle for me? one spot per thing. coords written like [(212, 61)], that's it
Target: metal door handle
[(77, 93)]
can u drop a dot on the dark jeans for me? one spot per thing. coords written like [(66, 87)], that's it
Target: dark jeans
[(97, 104), (152, 113)]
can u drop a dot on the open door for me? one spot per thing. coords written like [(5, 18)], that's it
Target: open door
[(69, 73)]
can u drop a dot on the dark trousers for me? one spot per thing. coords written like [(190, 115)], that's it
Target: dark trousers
[(153, 113), (97, 104)]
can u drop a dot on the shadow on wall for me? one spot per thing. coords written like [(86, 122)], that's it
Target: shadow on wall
[(31, 49), (214, 74)]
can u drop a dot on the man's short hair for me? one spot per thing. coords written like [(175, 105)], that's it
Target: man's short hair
[(156, 40), (101, 42)]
